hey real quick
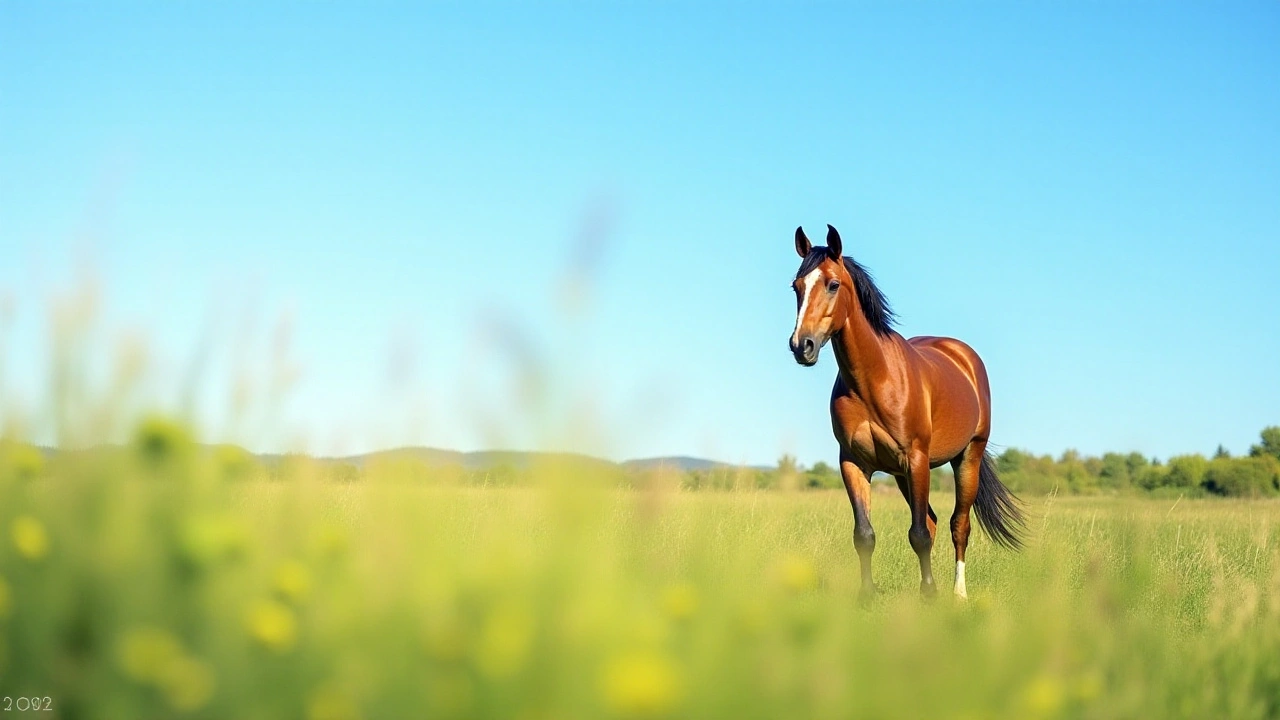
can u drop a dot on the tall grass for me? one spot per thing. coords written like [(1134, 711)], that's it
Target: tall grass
[(166, 580)]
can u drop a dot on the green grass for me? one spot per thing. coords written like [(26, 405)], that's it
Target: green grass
[(166, 584)]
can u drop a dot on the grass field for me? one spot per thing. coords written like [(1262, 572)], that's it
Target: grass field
[(173, 584)]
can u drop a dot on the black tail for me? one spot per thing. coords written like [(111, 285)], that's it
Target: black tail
[(999, 511)]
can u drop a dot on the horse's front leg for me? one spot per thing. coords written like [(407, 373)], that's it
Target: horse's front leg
[(858, 484), (922, 527)]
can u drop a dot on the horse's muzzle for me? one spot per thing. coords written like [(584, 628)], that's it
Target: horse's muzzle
[(806, 351)]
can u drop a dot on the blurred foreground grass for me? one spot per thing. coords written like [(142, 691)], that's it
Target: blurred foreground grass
[(167, 580)]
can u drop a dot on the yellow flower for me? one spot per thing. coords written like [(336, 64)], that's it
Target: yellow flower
[(144, 653), (505, 641), (293, 581), (6, 599), (208, 539), (273, 624), (24, 461), (1043, 696), (187, 684), (640, 684), (797, 573), (331, 541), (680, 602), (30, 538)]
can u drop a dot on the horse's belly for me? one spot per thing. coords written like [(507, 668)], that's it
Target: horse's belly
[(954, 425)]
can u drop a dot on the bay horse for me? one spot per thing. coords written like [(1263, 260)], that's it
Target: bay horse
[(901, 407)]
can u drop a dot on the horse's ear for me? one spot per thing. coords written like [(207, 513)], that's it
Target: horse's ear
[(803, 246), (833, 243)]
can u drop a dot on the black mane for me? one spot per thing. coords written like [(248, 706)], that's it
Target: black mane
[(875, 308)]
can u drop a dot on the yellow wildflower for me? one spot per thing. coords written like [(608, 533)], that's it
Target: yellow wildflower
[(640, 684), (797, 573), (293, 581), (23, 460), (274, 625), (505, 641), (30, 538), (331, 541), (1043, 696), (187, 684), (680, 602), (208, 539), (145, 652)]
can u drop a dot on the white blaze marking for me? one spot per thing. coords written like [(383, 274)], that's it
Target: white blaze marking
[(814, 276), (961, 592)]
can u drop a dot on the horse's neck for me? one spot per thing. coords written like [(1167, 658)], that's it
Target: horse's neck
[(859, 353)]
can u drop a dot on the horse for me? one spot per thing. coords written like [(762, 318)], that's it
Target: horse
[(901, 407)]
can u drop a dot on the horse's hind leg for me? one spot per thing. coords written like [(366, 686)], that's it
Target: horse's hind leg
[(965, 467), (858, 484)]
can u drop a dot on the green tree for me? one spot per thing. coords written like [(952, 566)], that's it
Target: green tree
[(788, 472), (1115, 472), (823, 476), (787, 465), (1153, 476), (1187, 471), (1136, 462), (941, 478), (1010, 461), (1244, 477), (1270, 444), (1075, 472)]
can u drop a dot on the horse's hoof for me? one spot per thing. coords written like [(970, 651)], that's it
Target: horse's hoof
[(928, 591)]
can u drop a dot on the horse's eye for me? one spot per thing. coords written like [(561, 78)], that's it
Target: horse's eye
[(833, 286)]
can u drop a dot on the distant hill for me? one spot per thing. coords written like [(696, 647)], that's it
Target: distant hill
[(477, 460), (518, 459), (683, 463), (523, 459)]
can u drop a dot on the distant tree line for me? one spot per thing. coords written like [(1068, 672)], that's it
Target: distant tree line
[(1254, 475)]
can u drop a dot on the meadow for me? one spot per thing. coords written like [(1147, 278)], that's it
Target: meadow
[(168, 580)]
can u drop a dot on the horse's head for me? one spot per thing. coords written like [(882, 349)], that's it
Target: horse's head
[(823, 295)]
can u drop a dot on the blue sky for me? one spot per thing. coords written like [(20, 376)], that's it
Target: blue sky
[(472, 226)]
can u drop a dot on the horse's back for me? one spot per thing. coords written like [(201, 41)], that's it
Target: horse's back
[(957, 353)]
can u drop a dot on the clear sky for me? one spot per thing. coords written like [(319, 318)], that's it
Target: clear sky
[(462, 225)]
